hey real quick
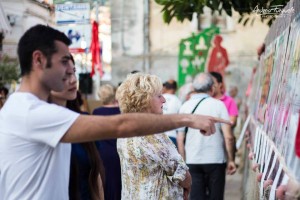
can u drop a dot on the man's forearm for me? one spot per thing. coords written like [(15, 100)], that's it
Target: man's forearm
[(233, 119), (230, 148), (229, 142), (90, 128)]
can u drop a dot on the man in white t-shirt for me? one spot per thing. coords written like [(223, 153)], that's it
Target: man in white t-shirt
[(34, 135), (172, 104), (207, 156)]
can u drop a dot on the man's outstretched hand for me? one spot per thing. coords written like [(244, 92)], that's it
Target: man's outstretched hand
[(206, 124)]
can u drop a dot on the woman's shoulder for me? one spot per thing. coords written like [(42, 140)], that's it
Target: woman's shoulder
[(106, 111)]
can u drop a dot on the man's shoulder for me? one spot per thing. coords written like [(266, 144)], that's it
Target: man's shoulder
[(172, 100), (229, 101), (227, 98), (171, 96), (214, 100), (20, 101), (26, 102), (23, 96), (216, 105), (189, 102), (218, 102)]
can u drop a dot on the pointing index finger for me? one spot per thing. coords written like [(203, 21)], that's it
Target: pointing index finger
[(220, 120)]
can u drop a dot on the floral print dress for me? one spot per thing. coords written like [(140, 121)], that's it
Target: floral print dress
[(151, 168)]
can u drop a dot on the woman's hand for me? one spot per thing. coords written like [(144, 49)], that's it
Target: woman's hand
[(186, 184), (186, 193)]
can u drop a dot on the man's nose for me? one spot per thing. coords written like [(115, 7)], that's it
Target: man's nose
[(73, 78)]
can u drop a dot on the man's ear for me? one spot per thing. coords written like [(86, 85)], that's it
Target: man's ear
[(223, 89), (38, 58), (212, 91)]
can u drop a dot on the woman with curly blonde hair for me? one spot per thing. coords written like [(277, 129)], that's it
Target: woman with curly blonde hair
[(151, 166)]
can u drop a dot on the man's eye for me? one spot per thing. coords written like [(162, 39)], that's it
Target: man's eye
[(70, 74), (65, 62)]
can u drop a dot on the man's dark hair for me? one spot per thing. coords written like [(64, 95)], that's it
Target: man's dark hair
[(39, 37), (218, 76), (170, 85)]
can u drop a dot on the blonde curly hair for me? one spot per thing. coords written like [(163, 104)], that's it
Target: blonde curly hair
[(106, 94), (135, 93)]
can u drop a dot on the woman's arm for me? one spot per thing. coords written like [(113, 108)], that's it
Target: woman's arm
[(186, 183), (180, 143), (230, 148), (164, 153)]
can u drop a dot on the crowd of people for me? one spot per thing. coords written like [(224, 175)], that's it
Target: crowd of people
[(51, 149)]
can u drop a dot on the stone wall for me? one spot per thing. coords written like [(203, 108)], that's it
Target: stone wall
[(241, 43)]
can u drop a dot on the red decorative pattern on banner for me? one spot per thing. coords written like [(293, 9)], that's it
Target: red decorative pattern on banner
[(95, 50)]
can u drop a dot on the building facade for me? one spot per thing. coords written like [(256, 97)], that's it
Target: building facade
[(21, 15)]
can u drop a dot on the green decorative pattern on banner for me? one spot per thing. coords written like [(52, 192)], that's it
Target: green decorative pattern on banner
[(193, 54)]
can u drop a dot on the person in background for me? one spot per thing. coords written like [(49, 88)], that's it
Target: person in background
[(82, 101), (188, 96), (3, 95), (86, 168), (233, 92), (151, 166), (108, 148), (207, 156), (228, 101), (35, 135), (172, 104)]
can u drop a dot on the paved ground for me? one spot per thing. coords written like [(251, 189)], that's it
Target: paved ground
[(233, 187)]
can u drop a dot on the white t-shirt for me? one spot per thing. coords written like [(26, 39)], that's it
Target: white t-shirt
[(202, 149), (171, 106), (33, 164)]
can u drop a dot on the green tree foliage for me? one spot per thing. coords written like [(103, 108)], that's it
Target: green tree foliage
[(184, 9), (9, 70)]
